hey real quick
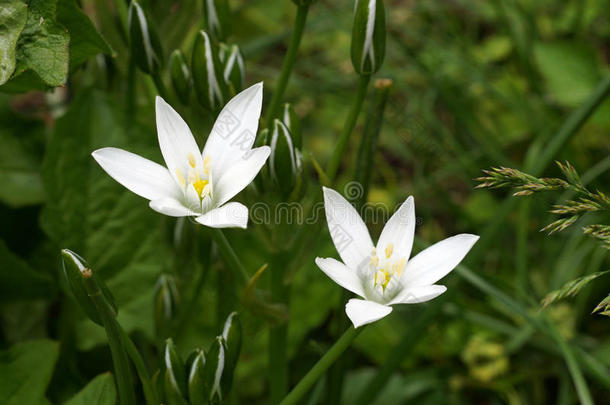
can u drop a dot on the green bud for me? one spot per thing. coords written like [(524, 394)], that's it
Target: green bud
[(214, 371), (292, 122), (233, 67), (180, 75), (368, 36), (210, 85), (196, 379), (144, 43), (261, 177), (175, 376), (77, 272), (217, 17), (231, 333), (282, 160), (166, 302), (157, 381)]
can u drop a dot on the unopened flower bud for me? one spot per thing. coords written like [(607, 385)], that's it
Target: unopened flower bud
[(368, 36), (180, 75), (210, 85), (233, 67), (175, 376), (166, 302), (282, 160), (292, 122), (217, 17), (231, 333), (144, 43), (214, 368), (77, 273)]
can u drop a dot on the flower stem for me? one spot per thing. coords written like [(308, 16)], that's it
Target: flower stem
[(161, 89), (321, 366), (278, 335), (295, 40), (120, 360), (348, 127), (138, 362), (230, 256)]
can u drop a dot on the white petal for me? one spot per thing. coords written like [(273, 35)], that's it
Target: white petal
[(399, 231), (237, 177), (348, 231), (142, 176), (435, 262), (231, 215), (341, 274), (416, 295), (176, 140), (171, 207), (361, 312), (235, 129)]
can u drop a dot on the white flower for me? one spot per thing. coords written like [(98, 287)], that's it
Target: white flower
[(384, 275), (197, 183)]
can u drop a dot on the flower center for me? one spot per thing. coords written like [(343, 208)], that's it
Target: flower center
[(199, 179), (386, 267)]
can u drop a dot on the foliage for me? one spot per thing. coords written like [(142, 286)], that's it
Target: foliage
[(468, 85)]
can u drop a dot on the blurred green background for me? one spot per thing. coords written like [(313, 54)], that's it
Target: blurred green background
[(475, 84)]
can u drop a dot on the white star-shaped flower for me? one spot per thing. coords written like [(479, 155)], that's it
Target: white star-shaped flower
[(195, 183), (383, 275)]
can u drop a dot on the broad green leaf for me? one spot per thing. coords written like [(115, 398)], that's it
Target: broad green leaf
[(19, 172), (85, 40), (18, 280), (25, 371), (13, 15), (99, 391), (570, 70), (42, 50), (89, 213)]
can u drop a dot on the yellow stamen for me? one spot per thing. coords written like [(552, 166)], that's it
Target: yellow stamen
[(199, 186), (375, 261), (206, 165), (180, 177), (192, 160), (388, 250)]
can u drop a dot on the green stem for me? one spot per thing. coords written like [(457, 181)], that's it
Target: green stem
[(584, 395), (278, 336), (138, 362), (321, 366), (161, 89), (348, 127), (131, 89), (120, 360), (295, 40), (230, 257)]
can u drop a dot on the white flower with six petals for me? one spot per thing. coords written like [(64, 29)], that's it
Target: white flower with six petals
[(197, 183), (384, 275)]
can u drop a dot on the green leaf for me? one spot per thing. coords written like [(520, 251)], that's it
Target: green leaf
[(89, 213), (42, 50), (99, 391), (18, 280), (25, 371), (19, 172), (570, 70), (571, 288), (13, 15), (85, 40)]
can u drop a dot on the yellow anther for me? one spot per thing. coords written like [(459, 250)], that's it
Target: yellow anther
[(388, 250), (375, 261), (380, 277), (180, 177), (207, 162), (199, 186), (192, 160)]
